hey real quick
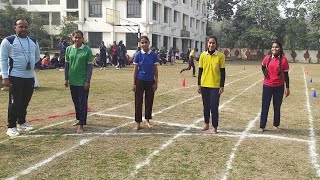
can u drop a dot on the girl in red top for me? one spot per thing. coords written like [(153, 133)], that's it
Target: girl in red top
[(275, 68)]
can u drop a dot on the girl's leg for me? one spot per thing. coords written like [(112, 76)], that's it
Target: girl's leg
[(138, 103), (149, 97), (214, 107), (206, 106), (277, 101), (266, 98)]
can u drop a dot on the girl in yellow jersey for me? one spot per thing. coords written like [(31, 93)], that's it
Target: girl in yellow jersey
[(211, 82)]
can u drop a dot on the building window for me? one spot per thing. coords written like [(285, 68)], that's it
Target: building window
[(44, 17), (166, 14), (94, 39), (132, 41), (184, 1), (204, 9), (72, 4), (197, 24), (165, 41), (19, 2), (37, 2), (155, 11), (73, 15), (56, 18), (54, 2), (175, 16), (154, 41), (95, 8), (191, 22), (133, 9), (198, 5)]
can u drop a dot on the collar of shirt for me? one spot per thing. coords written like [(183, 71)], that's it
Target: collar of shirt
[(81, 47), (278, 57), (143, 52), (215, 52)]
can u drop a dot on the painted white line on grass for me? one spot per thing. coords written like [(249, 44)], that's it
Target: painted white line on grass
[(312, 145), (46, 161), (231, 75), (171, 140), (154, 153), (221, 133), (251, 135), (36, 166), (235, 148), (123, 105), (242, 137)]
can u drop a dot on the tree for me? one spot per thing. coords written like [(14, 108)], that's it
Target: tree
[(8, 16), (255, 23), (219, 11), (37, 30), (68, 26)]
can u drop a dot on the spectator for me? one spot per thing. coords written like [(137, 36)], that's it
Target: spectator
[(103, 55)]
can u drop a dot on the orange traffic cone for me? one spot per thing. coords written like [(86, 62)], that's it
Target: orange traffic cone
[(184, 82), (244, 68)]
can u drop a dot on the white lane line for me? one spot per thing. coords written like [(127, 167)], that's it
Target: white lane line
[(42, 163), (51, 158), (312, 145), (222, 133), (88, 140), (123, 105), (231, 75), (235, 148), (171, 140), (242, 137), (154, 153)]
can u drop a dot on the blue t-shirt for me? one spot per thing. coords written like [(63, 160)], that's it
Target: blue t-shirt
[(146, 62)]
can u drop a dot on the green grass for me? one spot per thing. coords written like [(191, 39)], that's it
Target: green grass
[(197, 155)]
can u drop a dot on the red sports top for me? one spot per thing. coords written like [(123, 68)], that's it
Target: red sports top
[(273, 79)]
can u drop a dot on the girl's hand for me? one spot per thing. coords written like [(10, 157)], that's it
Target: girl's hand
[(199, 89), (155, 87), (134, 88), (287, 92), (221, 90)]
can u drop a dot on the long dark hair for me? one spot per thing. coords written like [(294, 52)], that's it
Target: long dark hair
[(280, 58)]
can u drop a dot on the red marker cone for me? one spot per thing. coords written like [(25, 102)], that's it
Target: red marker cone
[(184, 82)]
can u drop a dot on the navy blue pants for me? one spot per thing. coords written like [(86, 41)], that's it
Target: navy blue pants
[(277, 94), (80, 100), (210, 99)]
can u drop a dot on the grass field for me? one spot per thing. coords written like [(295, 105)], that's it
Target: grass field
[(175, 148)]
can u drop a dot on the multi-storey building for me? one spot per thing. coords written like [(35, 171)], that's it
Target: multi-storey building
[(167, 23)]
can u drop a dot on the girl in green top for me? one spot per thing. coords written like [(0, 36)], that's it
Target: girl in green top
[(78, 71)]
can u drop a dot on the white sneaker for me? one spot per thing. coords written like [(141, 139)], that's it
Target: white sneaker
[(12, 132), (24, 127)]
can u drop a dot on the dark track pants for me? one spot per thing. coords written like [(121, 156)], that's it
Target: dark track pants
[(20, 93), (80, 100), (141, 88), (277, 94)]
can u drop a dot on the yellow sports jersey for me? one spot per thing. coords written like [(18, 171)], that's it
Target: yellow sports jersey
[(191, 55), (211, 65)]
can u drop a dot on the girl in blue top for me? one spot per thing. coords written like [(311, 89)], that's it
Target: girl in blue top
[(145, 80)]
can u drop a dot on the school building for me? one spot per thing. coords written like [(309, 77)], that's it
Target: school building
[(167, 23)]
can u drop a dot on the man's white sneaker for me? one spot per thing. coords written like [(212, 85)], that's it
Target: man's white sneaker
[(24, 127), (12, 132)]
